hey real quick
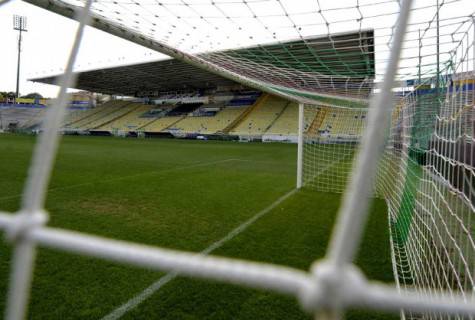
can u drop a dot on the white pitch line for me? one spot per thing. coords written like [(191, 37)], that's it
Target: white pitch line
[(154, 287), (135, 301), (200, 164)]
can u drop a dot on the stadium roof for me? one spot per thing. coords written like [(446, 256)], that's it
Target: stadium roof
[(347, 54), (136, 79)]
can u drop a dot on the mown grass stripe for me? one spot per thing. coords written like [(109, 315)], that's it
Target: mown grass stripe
[(135, 175), (154, 287), (149, 291)]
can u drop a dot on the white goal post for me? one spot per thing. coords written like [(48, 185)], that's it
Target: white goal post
[(335, 283), (300, 141)]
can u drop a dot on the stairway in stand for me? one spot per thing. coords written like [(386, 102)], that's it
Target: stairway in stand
[(245, 114), (317, 121)]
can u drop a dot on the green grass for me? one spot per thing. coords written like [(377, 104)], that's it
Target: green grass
[(183, 195)]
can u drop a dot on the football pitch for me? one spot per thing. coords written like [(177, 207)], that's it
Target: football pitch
[(180, 194)]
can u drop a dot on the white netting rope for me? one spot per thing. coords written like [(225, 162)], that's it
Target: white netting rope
[(331, 139), (420, 170), (427, 174), (278, 44)]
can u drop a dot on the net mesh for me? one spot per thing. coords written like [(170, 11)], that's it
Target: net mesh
[(318, 50), (426, 174), (331, 139), (428, 180), (329, 54)]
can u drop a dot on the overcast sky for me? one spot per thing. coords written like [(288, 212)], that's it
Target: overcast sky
[(46, 47), (49, 38)]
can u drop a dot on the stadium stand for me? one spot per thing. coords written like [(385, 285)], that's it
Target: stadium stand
[(243, 113), (244, 98), (107, 112), (336, 123), (161, 124), (35, 120), (226, 116), (20, 117), (116, 113), (131, 121), (75, 115), (313, 119), (184, 109), (237, 108), (287, 122), (193, 125), (177, 97), (267, 115), (210, 124), (262, 115)]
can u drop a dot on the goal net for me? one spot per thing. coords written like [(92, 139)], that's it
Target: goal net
[(388, 88), (428, 180), (426, 174), (331, 138)]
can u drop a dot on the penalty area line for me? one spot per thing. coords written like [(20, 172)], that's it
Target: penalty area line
[(154, 287)]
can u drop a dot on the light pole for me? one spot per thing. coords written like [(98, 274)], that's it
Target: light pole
[(19, 23)]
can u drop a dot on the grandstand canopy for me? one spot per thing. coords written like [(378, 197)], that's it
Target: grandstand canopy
[(345, 55), (139, 79)]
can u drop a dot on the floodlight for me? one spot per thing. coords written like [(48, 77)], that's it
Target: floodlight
[(19, 23)]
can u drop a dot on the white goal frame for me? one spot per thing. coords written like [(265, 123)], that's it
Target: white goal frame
[(327, 290)]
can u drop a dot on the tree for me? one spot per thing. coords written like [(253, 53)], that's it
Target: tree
[(7, 94), (33, 95)]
